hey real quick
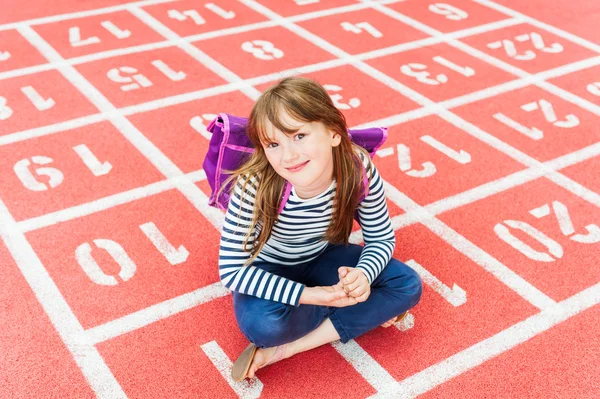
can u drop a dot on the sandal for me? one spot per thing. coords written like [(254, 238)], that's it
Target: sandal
[(400, 317), (243, 362)]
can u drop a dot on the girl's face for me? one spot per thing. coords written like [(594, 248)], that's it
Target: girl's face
[(304, 158)]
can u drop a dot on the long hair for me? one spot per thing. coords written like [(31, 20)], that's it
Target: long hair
[(307, 101)]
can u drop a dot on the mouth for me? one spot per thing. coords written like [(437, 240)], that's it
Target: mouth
[(297, 167)]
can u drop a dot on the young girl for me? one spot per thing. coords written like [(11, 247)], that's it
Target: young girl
[(297, 283)]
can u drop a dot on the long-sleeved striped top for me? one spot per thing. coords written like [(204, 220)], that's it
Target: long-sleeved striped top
[(297, 237)]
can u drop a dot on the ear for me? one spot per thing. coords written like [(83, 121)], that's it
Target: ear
[(336, 140)]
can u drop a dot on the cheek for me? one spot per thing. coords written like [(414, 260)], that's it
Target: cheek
[(273, 158)]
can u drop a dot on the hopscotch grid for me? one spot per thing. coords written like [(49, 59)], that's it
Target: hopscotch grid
[(555, 177), (130, 4), (197, 37), (440, 206), (80, 14), (233, 87), (241, 84), (549, 28)]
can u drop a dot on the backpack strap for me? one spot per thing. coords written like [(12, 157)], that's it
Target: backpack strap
[(287, 189), (365, 184)]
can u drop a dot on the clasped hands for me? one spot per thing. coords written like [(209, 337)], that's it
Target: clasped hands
[(352, 288)]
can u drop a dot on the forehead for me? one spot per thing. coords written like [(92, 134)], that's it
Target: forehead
[(283, 123)]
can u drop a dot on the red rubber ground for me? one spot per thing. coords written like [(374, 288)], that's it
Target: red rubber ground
[(108, 251)]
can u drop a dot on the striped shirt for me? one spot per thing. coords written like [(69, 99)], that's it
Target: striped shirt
[(298, 237)]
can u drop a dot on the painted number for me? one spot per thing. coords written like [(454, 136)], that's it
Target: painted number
[(594, 88), (91, 161), (127, 266), (5, 111), (219, 11), (536, 40), (418, 71), (183, 16), (359, 27), (337, 98), (137, 80), (133, 82), (428, 168), (195, 16), (36, 99), (4, 55), (41, 103), (262, 49), (29, 181), (197, 123), (75, 34), (450, 12), (569, 121), (55, 176), (553, 250), (456, 296)]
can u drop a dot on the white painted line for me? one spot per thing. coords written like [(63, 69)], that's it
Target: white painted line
[(557, 178), (508, 277), (429, 41), (85, 355), (193, 51), (552, 29), (127, 129), (51, 129), (416, 214), (374, 373), (231, 87), (513, 281), (260, 25), (455, 365), (102, 204), (80, 14), (176, 41), (494, 187), (151, 314)]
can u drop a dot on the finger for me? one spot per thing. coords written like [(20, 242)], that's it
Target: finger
[(363, 297), (350, 278), (357, 292), (334, 296), (353, 286)]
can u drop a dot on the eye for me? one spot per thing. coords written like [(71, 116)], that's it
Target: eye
[(300, 136), (271, 144)]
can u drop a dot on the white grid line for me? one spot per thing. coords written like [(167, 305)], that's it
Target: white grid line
[(173, 42), (70, 330)]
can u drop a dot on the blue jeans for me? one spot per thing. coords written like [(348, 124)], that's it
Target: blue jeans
[(268, 323)]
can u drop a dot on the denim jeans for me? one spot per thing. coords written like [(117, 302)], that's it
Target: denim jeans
[(268, 323)]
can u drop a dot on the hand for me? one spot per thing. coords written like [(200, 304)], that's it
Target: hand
[(355, 283), (334, 296)]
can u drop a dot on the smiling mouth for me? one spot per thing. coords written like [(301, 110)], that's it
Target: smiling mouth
[(297, 167)]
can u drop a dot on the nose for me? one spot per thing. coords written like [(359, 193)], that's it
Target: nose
[(289, 154)]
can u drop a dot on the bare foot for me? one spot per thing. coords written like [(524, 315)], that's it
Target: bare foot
[(261, 357), (393, 321), (389, 323)]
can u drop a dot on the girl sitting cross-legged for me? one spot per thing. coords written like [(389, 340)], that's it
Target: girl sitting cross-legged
[(297, 282)]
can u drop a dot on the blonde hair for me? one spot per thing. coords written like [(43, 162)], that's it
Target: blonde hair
[(307, 101)]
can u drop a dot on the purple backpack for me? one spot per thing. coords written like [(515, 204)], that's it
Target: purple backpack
[(230, 147)]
